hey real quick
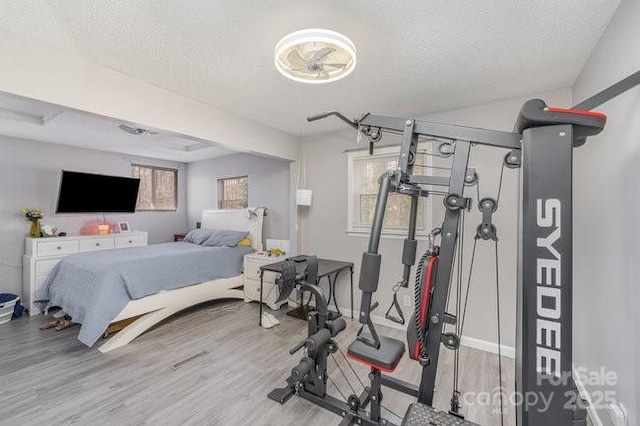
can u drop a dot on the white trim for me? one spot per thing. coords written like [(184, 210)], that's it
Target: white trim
[(401, 235), (582, 390), (484, 345), (358, 231), (470, 342)]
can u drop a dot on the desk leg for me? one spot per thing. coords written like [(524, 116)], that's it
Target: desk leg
[(261, 285), (302, 298), (332, 292), (351, 270)]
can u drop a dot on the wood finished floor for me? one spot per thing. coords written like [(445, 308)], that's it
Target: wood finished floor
[(49, 378)]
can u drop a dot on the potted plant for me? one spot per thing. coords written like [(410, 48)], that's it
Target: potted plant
[(33, 215)]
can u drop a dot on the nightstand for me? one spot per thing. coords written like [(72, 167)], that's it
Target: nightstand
[(252, 264), (179, 236)]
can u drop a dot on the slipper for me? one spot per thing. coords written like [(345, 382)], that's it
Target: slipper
[(273, 319), (266, 321)]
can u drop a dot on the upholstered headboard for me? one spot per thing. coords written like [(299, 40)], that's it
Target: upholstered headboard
[(250, 219)]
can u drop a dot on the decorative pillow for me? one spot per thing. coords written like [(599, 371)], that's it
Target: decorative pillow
[(198, 236), (245, 242), (225, 238)]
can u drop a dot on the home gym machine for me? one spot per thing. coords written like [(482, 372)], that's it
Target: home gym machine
[(541, 147)]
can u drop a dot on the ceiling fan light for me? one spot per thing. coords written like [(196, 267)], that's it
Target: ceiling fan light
[(315, 56)]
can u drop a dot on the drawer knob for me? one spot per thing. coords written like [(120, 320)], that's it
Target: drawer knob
[(97, 244), (130, 241), (59, 248)]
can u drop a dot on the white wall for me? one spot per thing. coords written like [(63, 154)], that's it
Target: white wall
[(29, 176), (606, 222), (325, 223), (268, 186)]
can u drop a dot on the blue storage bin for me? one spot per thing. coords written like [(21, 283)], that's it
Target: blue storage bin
[(10, 303)]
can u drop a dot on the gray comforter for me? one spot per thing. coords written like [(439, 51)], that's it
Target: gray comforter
[(94, 287)]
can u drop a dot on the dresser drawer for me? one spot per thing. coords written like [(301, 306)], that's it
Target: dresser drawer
[(130, 241), (55, 248), (252, 271), (43, 267), (94, 244)]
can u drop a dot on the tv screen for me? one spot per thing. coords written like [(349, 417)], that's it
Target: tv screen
[(89, 193)]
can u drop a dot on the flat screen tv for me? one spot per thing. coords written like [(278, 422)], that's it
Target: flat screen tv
[(89, 193)]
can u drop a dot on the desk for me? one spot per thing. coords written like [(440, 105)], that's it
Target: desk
[(330, 269)]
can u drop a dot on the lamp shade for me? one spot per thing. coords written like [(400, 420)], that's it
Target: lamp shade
[(303, 197)]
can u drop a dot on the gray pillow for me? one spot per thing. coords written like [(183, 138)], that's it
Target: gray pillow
[(198, 236), (225, 238)]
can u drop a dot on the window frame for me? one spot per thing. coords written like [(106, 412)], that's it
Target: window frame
[(153, 186), (358, 231), (219, 183)]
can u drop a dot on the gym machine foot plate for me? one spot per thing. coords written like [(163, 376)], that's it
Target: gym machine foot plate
[(421, 414)]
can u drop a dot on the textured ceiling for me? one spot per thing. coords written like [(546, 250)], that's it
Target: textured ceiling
[(414, 57), (28, 119)]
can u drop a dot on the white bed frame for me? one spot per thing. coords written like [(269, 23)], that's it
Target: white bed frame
[(161, 306)]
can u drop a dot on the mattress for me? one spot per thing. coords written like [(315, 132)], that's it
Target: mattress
[(94, 287)]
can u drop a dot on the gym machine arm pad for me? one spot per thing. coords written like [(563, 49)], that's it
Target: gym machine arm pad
[(321, 338), (369, 276), (338, 326)]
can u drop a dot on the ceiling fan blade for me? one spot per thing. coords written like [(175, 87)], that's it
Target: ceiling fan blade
[(319, 55), (335, 65), (296, 60)]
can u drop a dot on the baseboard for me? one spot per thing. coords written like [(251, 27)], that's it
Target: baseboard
[(592, 413), (484, 345), (470, 342)]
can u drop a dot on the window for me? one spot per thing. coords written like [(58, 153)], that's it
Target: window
[(233, 193), (158, 188), (364, 171)]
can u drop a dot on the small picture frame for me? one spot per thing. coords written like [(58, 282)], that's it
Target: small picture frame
[(48, 231), (124, 227)]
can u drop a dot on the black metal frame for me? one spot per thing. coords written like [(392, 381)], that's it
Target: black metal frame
[(313, 386), (544, 319), (544, 324), (403, 180)]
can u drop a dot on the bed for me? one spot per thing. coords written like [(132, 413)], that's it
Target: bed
[(152, 282)]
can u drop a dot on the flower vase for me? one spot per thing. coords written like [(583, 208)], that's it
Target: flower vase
[(36, 229)]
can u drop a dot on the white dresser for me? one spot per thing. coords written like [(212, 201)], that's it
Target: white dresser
[(252, 263), (42, 254)]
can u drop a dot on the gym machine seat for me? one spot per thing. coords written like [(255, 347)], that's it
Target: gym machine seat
[(421, 415), (384, 359)]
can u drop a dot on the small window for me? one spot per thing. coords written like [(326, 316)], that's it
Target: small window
[(233, 193), (158, 188), (364, 171)]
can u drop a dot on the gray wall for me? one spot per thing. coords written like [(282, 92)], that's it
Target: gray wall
[(323, 227), (29, 176), (606, 226), (268, 186)]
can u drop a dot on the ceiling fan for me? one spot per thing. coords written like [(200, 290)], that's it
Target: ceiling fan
[(314, 62)]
